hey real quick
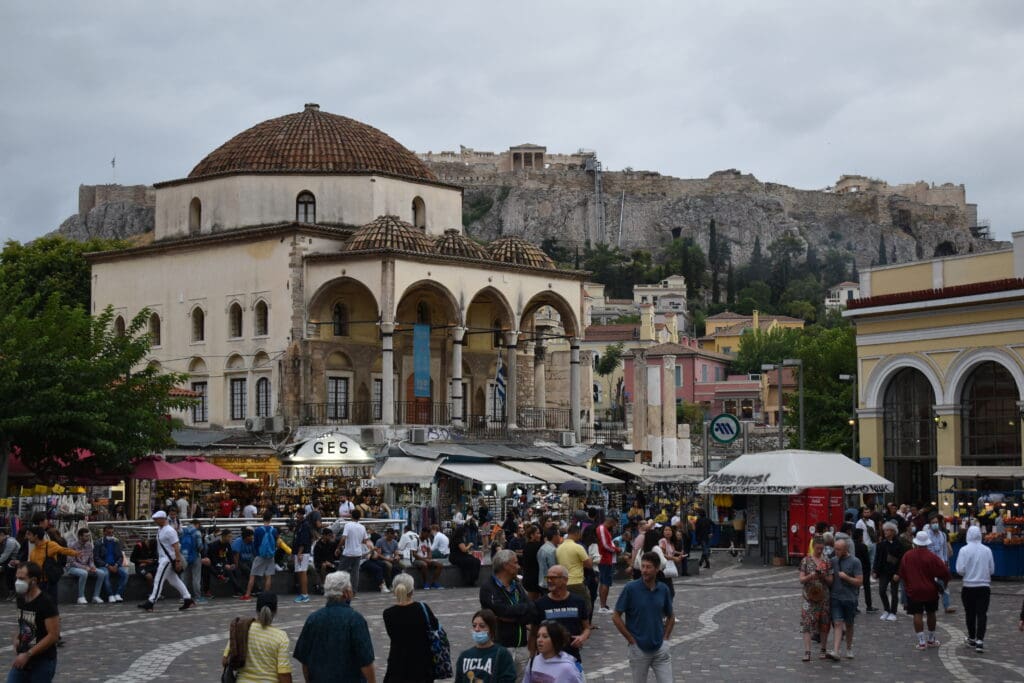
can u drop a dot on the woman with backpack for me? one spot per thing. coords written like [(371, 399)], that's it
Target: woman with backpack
[(257, 651)]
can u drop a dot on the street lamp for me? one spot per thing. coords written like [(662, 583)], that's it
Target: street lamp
[(798, 363), (853, 414), (768, 367)]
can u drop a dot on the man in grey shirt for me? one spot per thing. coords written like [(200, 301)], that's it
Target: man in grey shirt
[(546, 554), (848, 576)]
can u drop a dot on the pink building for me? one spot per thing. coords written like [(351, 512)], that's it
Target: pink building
[(694, 369)]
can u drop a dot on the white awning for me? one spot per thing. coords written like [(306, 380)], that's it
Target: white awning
[(488, 474), (980, 472), (540, 470), (660, 475), (591, 475), (398, 470), (788, 472)]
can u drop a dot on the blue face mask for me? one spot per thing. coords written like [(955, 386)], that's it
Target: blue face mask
[(481, 637)]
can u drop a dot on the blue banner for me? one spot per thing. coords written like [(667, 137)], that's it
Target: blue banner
[(421, 360)]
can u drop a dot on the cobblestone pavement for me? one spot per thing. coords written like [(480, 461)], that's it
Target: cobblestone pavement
[(737, 624)]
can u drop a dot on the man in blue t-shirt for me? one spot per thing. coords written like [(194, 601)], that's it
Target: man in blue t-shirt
[(645, 602), (243, 550)]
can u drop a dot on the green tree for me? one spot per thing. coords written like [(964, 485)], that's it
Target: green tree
[(883, 258), (557, 253), (730, 285), (758, 347), (606, 365), (826, 353), (755, 296), (713, 260), (785, 251), (833, 270), (757, 268)]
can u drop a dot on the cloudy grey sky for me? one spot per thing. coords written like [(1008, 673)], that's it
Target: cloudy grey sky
[(793, 92)]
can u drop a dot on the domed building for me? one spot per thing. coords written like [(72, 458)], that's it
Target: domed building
[(313, 271)]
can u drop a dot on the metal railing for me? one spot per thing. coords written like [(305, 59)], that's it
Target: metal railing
[(422, 413), (352, 412), (543, 418), (486, 426)]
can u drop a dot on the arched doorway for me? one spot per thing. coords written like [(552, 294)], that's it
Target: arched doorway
[(423, 316), (910, 440), (990, 418)]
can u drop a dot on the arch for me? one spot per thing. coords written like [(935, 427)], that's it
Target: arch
[(155, 366), (154, 329), (119, 328), (359, 301), (198, 319), (990, 426), (197, 366), (195, 216), (260, 360), (570, 324), (338, 360), (964, 364), (447, 310), (873, 393), (235, 321), (261, 319), (423, 316), (235, 362), (419, 213), (305, 207), (910, 445), (263, 397)]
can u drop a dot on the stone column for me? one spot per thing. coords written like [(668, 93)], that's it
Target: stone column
[(458, 333), (668, 410), (539, 391), (511, 380), (654, 408), (574, 386), (639, 400), (387, 374)]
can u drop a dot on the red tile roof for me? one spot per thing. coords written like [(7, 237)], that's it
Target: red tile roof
[(990, 287)]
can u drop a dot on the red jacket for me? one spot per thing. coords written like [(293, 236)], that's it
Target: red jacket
[(605, 545), (918, 570)]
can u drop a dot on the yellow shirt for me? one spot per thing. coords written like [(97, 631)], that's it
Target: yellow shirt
[(572, 555), (267, 655)]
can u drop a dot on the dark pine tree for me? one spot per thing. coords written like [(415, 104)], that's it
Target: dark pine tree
[(883, 258), (713, 261)]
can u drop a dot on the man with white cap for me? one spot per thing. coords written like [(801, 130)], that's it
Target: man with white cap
[(919, 571), (168, 550)]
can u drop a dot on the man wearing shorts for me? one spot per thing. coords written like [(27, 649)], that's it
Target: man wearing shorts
[(263, 561), (847, 577), (919, 570), (606, 566)]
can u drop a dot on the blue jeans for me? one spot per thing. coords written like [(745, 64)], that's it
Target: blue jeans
[(82, 575), (38, 671), (122, 575)]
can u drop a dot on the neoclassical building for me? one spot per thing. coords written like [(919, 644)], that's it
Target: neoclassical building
[(314, 269), (940, 357)]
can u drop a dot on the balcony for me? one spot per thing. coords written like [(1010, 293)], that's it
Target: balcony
[(369, 412)]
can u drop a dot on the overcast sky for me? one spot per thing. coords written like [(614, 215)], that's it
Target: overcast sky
[(795, 93)]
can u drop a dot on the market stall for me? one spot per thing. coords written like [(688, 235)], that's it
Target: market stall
[(324, 468), (991, 496), (776, 485)]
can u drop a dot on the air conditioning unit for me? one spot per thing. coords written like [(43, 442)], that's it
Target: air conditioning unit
[(418, 435), (567, 439), (254, 424), (373, 435), (275, 424)]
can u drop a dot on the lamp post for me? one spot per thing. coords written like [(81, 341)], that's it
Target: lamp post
[(852, 379), (798, 363), (768, 367)]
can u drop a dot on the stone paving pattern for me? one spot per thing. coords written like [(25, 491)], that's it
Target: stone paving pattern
[(738, 623)]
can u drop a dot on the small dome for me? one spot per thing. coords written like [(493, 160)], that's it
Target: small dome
[(387, 232), (312, 141), (519, 252), (454, 243)]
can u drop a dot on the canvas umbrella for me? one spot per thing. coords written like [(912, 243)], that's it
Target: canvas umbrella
[(155, 467), (207, 471)]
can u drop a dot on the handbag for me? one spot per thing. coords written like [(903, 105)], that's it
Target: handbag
[(815, 592), (238, 646), (440, 648), (51, 568), (670, 571)]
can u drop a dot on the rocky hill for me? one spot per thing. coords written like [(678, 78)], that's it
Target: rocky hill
[(646, 210)]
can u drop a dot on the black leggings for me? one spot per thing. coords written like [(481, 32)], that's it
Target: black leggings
[(976, 609), (889, 591)]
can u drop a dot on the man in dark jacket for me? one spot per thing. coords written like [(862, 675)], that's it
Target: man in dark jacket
[(702, 529), (506, 597), (108, 553), (861, 552), (887, 564)]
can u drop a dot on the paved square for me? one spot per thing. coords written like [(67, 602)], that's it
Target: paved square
[(736, 624)]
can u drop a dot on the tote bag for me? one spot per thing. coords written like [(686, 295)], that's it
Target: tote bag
[(440, 648)]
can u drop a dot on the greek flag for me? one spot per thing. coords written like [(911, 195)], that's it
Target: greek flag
[(499, 387)]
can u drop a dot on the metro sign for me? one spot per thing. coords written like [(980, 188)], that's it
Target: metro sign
[(724, 428)]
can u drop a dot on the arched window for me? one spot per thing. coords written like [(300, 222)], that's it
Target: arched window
[(198, 325), (262, 397), (195, 216), (305, 208), (597, 360), (419, 213), (261, 323), (339, 320), (423, 313), (498, 341), (119, 326), (235, 321), (154, 329), (910, 437), (991, 429)]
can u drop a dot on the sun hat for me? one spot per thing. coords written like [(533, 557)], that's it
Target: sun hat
[(922, 539)]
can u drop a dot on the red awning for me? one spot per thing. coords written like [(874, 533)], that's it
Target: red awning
[(207, 471), (155, 467)]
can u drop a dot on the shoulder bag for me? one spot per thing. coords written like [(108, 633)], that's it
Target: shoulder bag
[(51, 568), (238, 646), (440, 648)]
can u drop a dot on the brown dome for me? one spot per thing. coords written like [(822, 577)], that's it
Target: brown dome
[(387, 232), (520, 252), (454, 243), (312, 141)]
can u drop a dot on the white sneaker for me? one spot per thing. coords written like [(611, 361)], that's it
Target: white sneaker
[(120, 598), (384, 588), (97, 600), (83, 601), (884, 617), (849, 653), (604, 610), (112, 599), (891, 617)]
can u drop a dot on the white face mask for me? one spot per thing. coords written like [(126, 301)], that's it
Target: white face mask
[(21, 586)]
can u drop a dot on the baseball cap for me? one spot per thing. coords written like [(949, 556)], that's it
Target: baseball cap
[(159, 514), (922, 539)]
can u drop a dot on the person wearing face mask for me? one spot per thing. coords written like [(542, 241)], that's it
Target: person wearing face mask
[(38, 629), (486, 661), (110, 555)]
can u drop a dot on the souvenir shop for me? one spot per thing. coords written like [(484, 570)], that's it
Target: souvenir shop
[(655, 488), (325, 468), (992, 497)]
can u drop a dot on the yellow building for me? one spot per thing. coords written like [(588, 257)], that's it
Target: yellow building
[(723, 332), (939, 367)]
